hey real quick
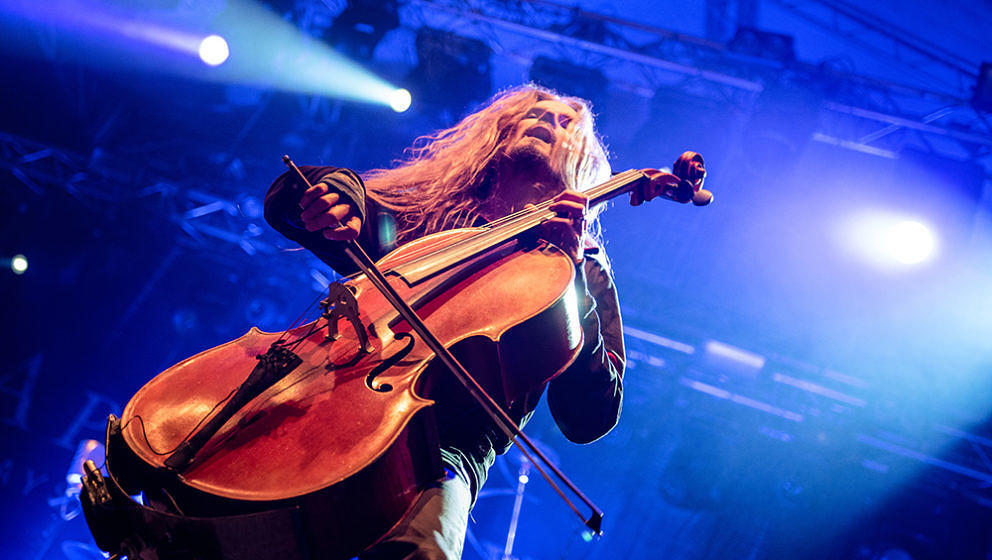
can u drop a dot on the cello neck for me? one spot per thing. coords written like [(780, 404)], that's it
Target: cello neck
[(506, 229)]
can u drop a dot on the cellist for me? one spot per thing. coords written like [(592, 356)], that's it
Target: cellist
[(527, 145)]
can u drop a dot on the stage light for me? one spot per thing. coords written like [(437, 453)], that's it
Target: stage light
[(400, 100), (115, 34), (909, 242), (19, 264), (270, 53), (889, 240), (213, 50)]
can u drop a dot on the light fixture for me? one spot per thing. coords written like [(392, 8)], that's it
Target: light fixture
[(213, 50)]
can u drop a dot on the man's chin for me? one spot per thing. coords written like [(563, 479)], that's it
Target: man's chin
[(530, 154)]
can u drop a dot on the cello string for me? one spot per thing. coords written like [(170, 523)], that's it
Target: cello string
[(513, 224), (593, 192), (298, 321)]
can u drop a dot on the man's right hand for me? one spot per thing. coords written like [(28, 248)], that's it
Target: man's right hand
[(327, 211)]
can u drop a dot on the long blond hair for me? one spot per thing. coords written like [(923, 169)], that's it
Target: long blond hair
[(443, 179)]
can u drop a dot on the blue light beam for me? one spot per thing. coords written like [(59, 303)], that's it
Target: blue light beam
[(269, 52), (263, 50), (888, 240)]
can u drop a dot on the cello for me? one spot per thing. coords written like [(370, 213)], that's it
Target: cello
[(331, 438)]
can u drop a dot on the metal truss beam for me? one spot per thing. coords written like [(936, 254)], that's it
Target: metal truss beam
[(523, 28), (207, 219)]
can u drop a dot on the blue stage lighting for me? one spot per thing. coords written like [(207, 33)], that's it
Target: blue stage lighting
[(400, 100), (19, 264), (269, 52), (890, 240), (909, 242), (213, 50)]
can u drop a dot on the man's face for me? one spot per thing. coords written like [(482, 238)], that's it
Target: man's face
[(542, 130), (536, 153)]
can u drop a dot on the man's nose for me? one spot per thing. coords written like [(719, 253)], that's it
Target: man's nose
[(549, 117)]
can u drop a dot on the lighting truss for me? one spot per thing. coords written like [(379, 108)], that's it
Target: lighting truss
[(211, 222), (642, 58)]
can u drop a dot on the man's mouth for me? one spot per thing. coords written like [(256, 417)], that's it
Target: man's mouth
[(541, 133)]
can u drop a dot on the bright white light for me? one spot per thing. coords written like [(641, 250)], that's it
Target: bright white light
[(400, 100), (888, 240), (213, 50), (909, 242), (19, 264)]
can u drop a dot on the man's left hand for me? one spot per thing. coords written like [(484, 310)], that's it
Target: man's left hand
[(566, 229)]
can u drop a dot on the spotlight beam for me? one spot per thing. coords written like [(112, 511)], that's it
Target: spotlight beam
[(269, 52), (264, 50)]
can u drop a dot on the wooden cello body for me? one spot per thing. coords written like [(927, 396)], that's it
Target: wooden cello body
[(349, 448)]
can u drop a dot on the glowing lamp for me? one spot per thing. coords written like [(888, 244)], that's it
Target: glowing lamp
[(213, 50), (890, 240), (19, 264), (909, 242), (400, 100)]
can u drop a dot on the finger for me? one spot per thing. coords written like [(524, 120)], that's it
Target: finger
[(574, 196), (568, 208), (342, 213), (329, 219), (561, 233), (319, 206), (564, 229), (346, 232), (314, 192)]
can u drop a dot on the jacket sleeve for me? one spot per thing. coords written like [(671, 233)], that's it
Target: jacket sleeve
[(585, 400), (282, 211)]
